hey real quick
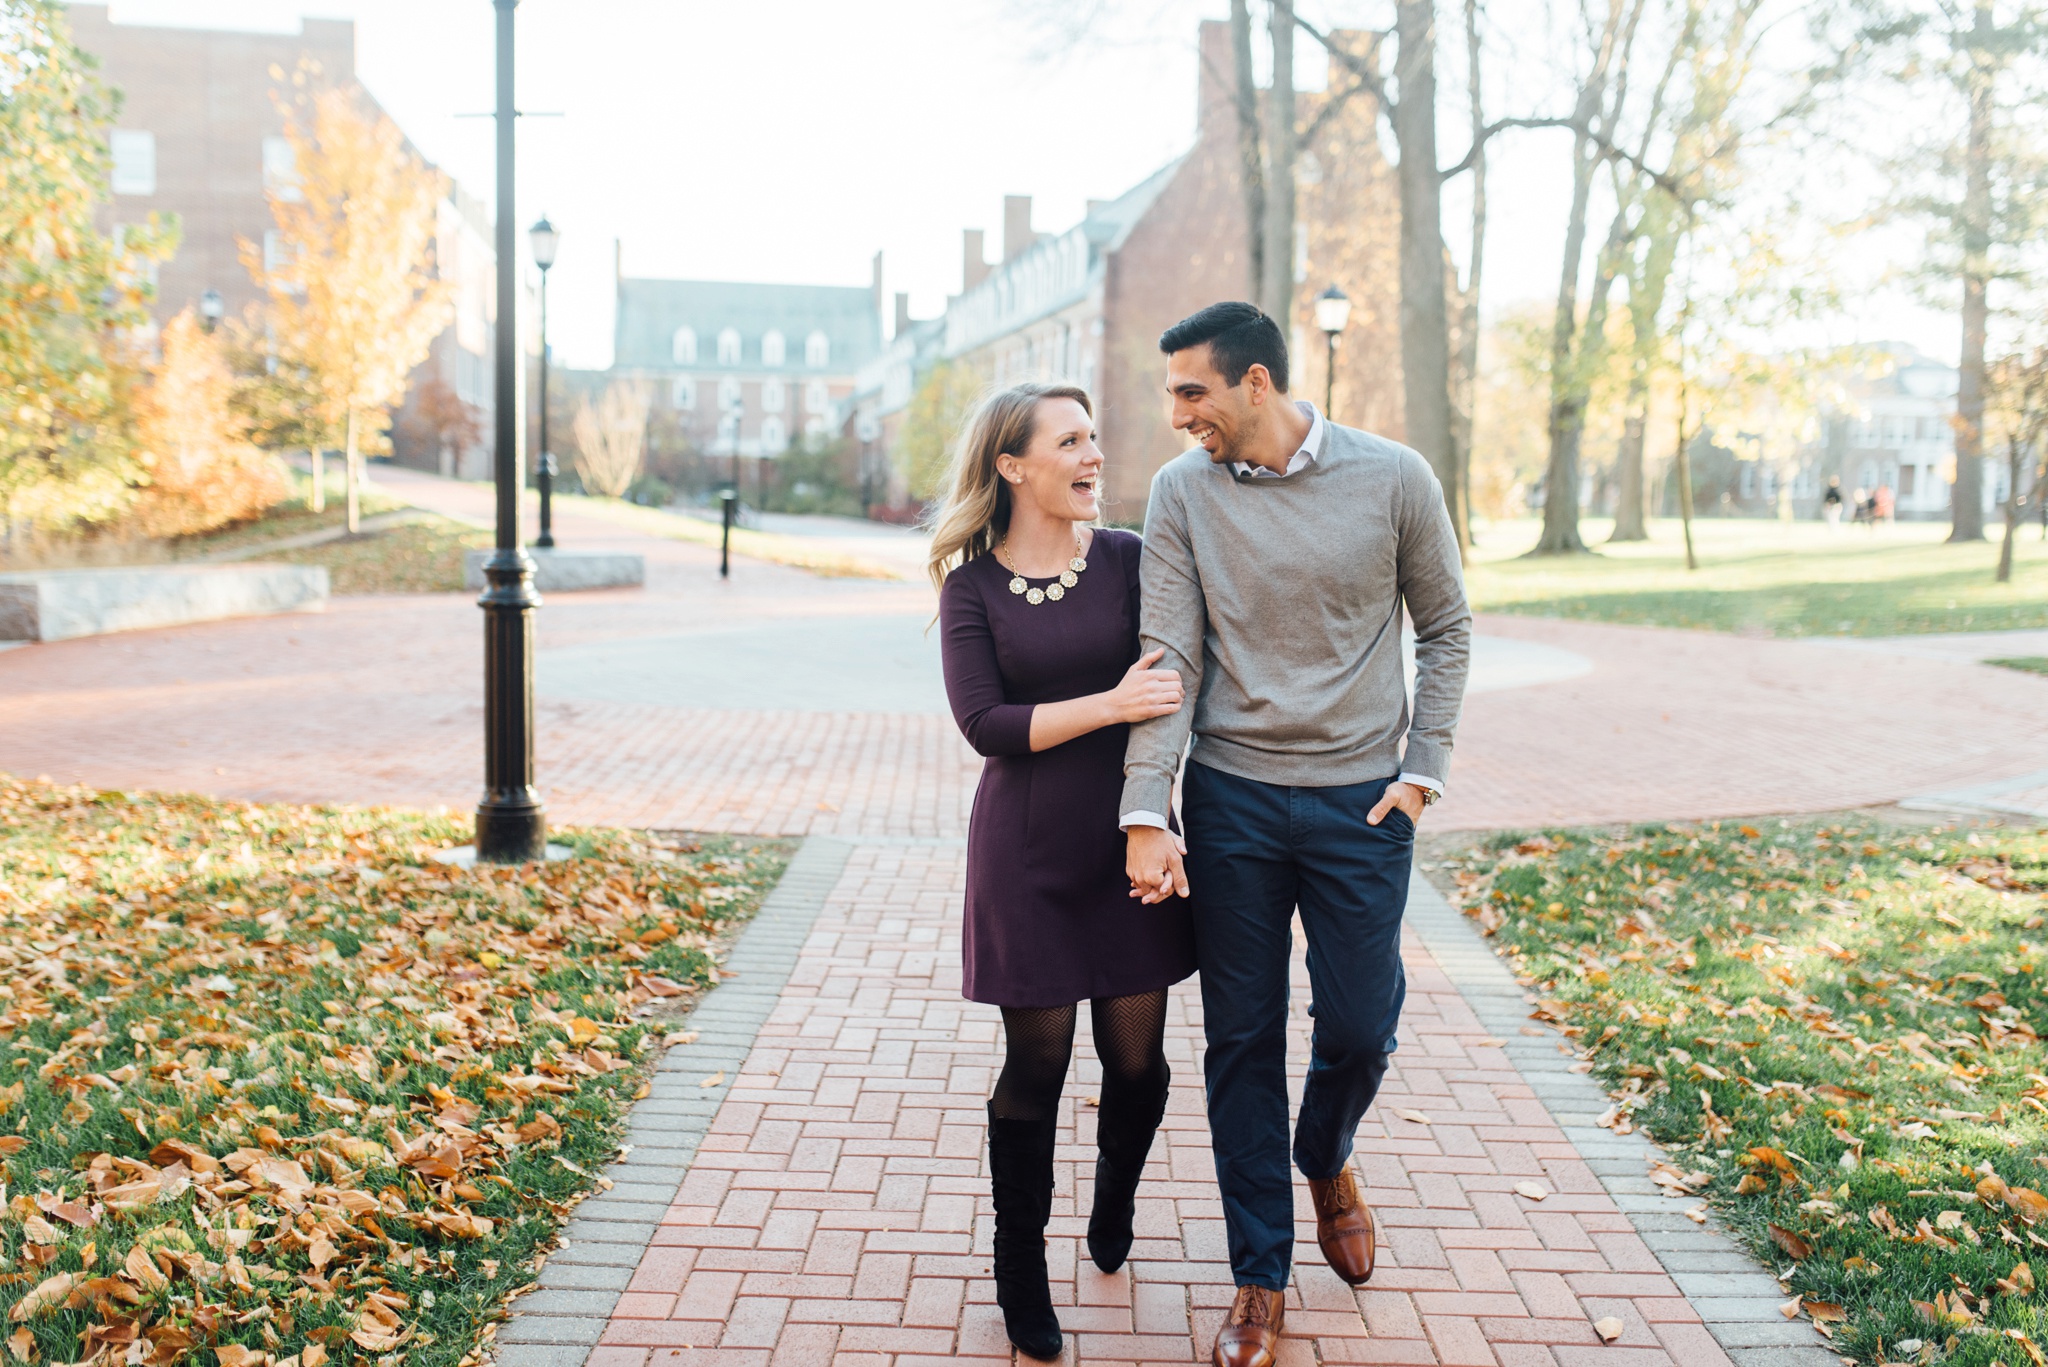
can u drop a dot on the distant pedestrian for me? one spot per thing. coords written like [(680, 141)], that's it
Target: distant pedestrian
[(1831, 502), (1882, 505), (1860, 505)]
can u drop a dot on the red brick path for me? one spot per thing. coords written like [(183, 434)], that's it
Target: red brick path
[(837, 1212)]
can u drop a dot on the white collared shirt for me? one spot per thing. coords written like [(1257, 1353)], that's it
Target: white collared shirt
[(1311, 447)]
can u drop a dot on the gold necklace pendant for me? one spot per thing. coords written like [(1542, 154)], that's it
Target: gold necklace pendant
[(1053, 592)]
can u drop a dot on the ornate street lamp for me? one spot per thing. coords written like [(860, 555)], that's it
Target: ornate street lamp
[(212, 308), (1333, 311), (511, 826), (545, 240)]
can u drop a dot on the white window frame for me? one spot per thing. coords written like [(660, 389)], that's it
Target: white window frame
[(817, 349), (774, 436), (817, 429), (729, 394), (682, 346), (730, 348), (132, 152), (774, 396), (774, 348), (817, 397), (682, 394), (281, 170)]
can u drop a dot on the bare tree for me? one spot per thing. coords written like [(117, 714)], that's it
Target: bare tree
[(2017, 388), (611, 438)]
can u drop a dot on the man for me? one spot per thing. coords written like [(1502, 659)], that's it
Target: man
[(1278, 557)]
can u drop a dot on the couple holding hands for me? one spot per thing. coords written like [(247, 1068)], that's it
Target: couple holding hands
[(1261, 613)]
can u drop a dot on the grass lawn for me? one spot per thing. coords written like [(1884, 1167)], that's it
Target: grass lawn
[(1773, 578), (2031, 664), (281, 1085), (1833, 1027), (771, 546), (422, 555), (414, 557)]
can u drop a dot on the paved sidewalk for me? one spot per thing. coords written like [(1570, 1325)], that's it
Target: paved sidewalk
[(836, 1210)]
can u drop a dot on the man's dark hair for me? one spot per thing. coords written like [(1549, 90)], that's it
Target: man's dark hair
[(1239, 335)]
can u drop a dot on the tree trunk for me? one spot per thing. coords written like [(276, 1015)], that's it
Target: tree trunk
[(1567, 403), (1425, 313), (1251, 164), (1465, 387), (2012, 511), (1277, 298), (316, 457), (352, 477), (1967, 497), (1630, 502)]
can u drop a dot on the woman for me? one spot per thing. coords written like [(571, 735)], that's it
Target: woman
[(1039, 611)]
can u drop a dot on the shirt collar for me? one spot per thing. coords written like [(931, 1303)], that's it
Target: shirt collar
[(1311, 448)]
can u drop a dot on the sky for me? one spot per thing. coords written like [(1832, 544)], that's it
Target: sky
[(790, 140)]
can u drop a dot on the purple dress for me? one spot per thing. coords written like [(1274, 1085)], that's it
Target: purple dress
[(1050, 920)]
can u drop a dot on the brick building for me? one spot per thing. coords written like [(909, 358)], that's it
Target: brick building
[(1087, 305), (746, 369), (200, 135)]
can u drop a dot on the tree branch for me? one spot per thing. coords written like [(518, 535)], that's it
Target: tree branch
[(1368, 75), (1663, 180)]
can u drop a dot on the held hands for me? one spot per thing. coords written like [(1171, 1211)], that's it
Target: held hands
[(1152, 859), (1145, 692), (1404, 796)]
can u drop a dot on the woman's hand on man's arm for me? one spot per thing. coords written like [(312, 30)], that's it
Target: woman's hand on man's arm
[(1143, 693)]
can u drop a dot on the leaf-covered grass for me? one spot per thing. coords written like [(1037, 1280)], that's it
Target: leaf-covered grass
[(1834, 1028), (2030, 664), (414, 557), (1771, 578), (279, 1087)]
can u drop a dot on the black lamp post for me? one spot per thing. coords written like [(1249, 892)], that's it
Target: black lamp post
[(511, 827), (1333, 311), (212, 308), (545, 239)]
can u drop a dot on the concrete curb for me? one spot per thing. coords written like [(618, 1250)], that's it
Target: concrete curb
[(1736, 1296), (559, 1322)]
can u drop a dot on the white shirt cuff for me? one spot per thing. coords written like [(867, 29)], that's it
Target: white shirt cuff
[(1141, 818), (1420, 781)]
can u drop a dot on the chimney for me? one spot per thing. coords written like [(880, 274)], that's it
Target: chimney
[(1096, 206), (973, 259), (902, 314), (1017, 234), (1216, 81)]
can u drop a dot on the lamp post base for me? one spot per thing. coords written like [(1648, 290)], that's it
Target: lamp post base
[(511, 827), (511, 824)]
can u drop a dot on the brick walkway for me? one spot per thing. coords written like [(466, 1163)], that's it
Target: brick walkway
[(837, 1210)]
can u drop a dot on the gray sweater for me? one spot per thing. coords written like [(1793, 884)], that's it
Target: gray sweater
[(1279, 601)]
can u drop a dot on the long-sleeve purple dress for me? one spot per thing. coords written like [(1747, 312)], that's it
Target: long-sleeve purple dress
[(1049, 917)]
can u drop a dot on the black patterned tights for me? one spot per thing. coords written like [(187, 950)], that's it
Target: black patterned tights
[(1040, 1039)]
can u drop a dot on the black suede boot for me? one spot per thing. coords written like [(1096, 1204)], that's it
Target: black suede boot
[(1124, 1128), (1020, 1162)]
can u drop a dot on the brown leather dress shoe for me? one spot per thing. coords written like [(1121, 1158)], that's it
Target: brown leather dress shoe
[(1251, 1332), (1344, 1227)]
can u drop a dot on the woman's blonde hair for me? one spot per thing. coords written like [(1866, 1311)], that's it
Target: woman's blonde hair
[(973, 510)]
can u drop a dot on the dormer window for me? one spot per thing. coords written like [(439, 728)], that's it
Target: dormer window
[(772, 349), (817, 350), (729, 347), (684, 347)]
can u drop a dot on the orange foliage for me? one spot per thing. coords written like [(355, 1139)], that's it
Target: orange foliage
[(202, 471)]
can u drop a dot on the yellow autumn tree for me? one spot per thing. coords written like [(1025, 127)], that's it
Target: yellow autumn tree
[(201, 469), (354, 301), (71, 294)]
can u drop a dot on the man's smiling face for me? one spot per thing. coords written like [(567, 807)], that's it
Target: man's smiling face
[(1218, 415)]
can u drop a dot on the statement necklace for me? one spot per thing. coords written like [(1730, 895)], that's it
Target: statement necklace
[(1069, 576)]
